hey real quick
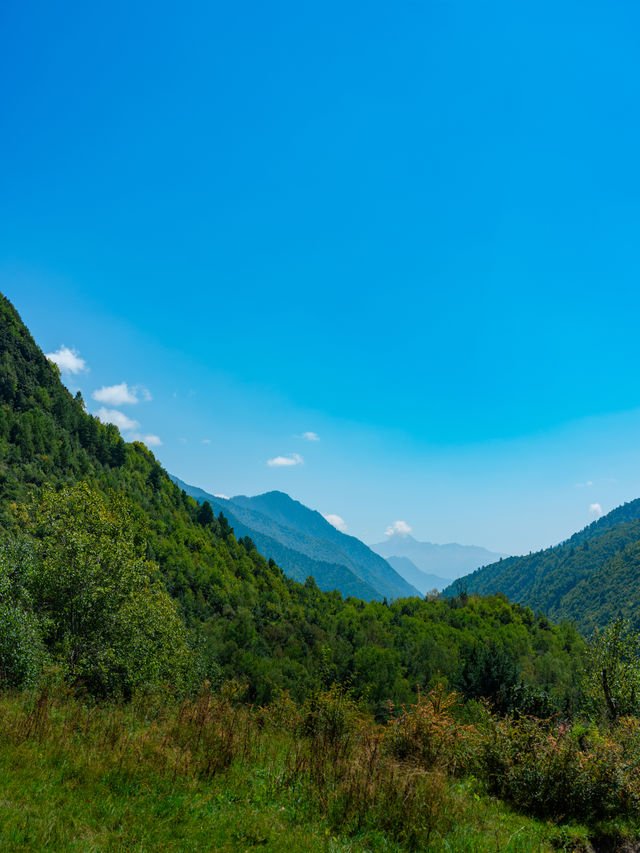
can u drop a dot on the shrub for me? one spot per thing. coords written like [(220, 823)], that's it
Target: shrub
[(551, 769), (21, 652), (428, 734)]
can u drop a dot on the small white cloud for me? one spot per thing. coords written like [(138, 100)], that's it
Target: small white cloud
[(224, 497), (206, 441), (285, 461), (115, 395), (338, 522), (146, 394), (152, 440), (311, 436), (119, 419), (398, 528), (595, 510), (182, 440), (149, 440), (68, 360), (584, 485)]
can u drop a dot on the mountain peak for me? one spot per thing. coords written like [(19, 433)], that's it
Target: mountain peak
[(300, 536)]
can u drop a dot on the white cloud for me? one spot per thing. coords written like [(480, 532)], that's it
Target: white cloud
[(206, 441), (68, 360), (224, 497), (584, 485), (285, 461), (152, 440), (182, 440), (149, 440), (595, 510), (311, 436), (119, 419), (338, 522), (119, 395), (115, 395), (398, 528)]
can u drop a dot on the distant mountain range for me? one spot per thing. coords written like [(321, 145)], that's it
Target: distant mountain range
[(423, 581), (303, 543), (440, 563), (590, 578)]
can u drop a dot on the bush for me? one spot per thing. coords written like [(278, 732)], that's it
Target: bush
[(551, 769), (21, 649), (428, 734), (79, 578), (21, 652)]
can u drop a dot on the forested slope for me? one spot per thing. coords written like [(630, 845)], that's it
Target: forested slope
[(246, 619), (296, 564), (590, 578), (303, 543)]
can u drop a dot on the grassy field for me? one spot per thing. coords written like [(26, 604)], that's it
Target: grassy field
[(214, 774)]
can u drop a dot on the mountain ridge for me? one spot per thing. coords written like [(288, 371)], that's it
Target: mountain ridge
[(450, 560), (275, 520), (591, 577), (423, 581)]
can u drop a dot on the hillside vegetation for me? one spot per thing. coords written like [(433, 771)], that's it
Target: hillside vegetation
[(303, 543), (590, 578), (243, 617), (163, 686)]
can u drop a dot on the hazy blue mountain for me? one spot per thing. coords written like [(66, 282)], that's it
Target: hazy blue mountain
[(590, 578), (303, 543), (446, 561), (422, 581)]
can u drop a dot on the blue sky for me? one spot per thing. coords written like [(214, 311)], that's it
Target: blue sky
[(409, 228)]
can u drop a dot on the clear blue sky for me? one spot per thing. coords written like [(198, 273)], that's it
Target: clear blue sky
[(411, 228)]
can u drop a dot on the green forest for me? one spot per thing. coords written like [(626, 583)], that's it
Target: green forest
[(157, 670), (590, 578)]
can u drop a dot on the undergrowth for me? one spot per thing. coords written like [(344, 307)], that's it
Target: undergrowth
[(214, 773)]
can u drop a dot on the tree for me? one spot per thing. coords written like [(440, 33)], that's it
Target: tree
[(612, 679), (205, 514), (21, 649), (106, 616)]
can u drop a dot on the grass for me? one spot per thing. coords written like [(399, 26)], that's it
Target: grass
[(214, 774)]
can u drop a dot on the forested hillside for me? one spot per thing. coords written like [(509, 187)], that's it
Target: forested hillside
[(262, 711), (590, 578), (244, 618), (303, 543)]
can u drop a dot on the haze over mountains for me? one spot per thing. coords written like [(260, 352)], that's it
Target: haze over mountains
[(304, 543), (423, 581), (444, 562)]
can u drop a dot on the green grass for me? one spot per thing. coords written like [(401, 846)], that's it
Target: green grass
[(142, 779)]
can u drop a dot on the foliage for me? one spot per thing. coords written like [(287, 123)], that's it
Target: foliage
[(245, 618), (93, 600), (22, 655), (211, 772), (591, 578), (612, 678), (564, 771), (428, 733)]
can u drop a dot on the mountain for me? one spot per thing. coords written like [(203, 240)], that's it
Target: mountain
[(590, 578), (446, 561), (422, 581), (303, 543), (245, 619)]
